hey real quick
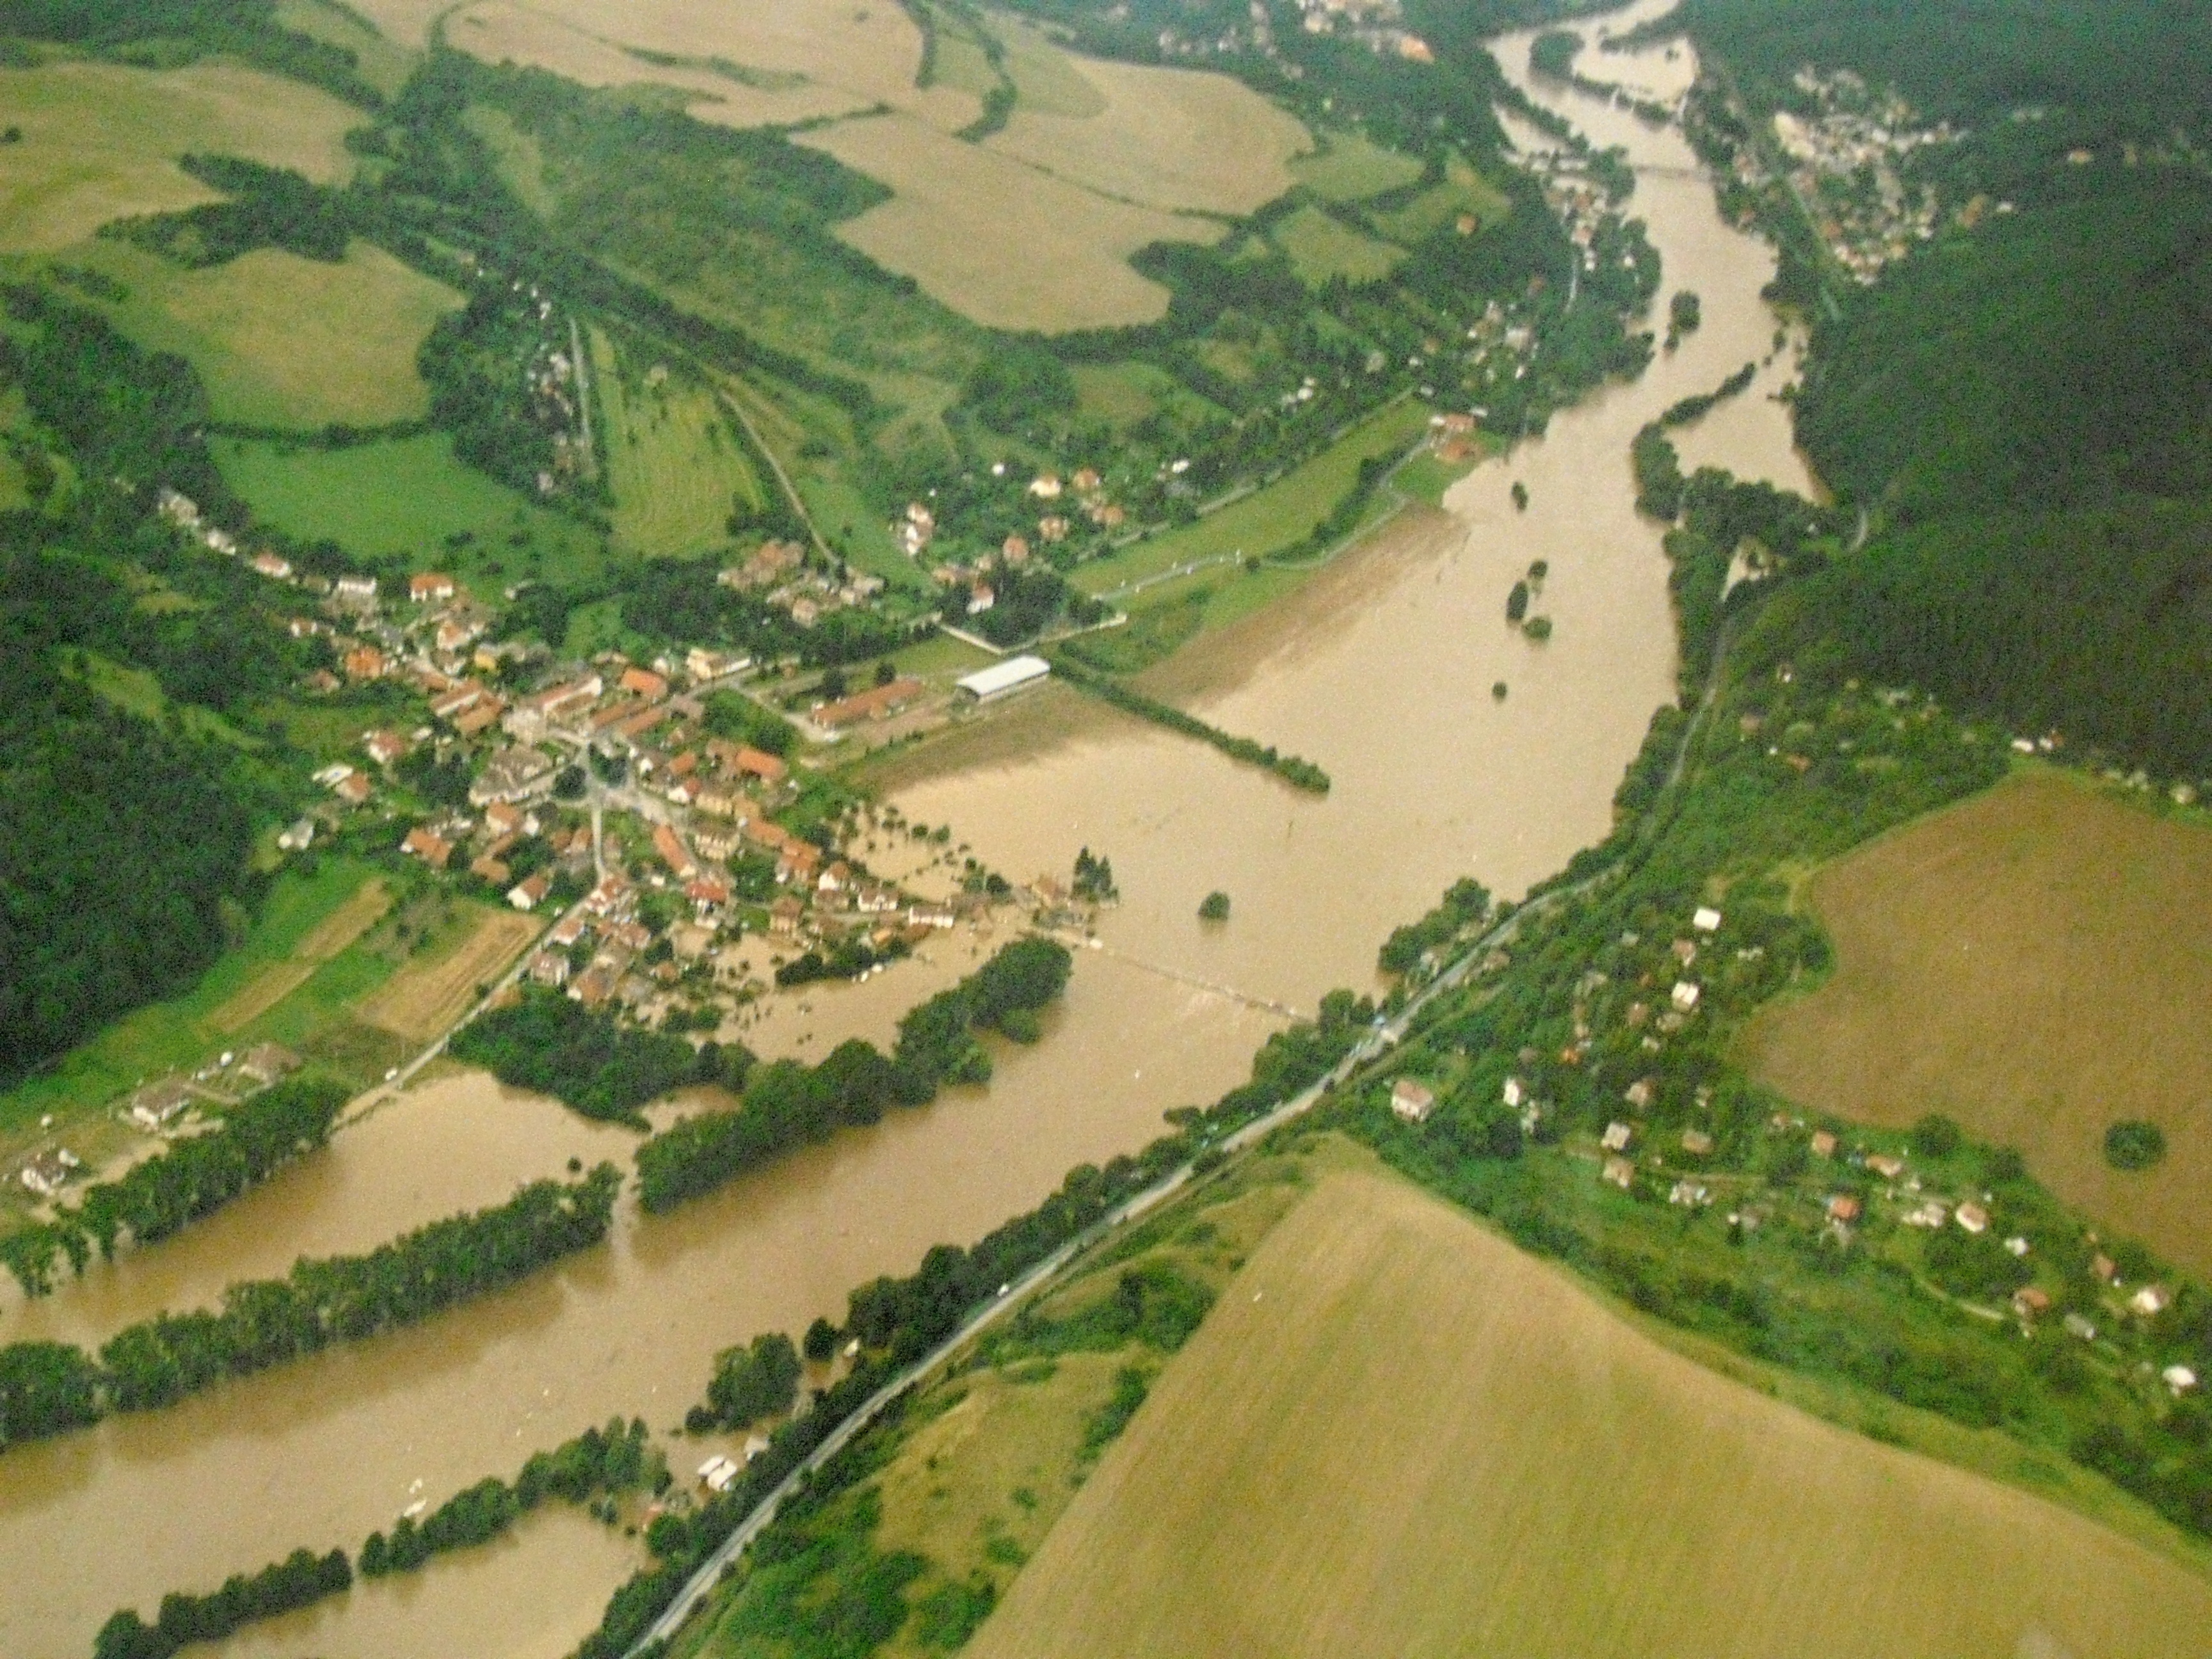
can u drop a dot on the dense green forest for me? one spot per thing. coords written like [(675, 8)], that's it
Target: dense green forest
[(246, 29), (2023, 406), (106, 906)]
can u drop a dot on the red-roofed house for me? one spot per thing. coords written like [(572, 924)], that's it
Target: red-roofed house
[(430, 588)]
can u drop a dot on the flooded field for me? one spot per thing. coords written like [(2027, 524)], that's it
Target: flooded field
[(1380, 669)]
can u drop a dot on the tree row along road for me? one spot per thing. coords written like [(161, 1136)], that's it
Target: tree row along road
[(1385, 1036)]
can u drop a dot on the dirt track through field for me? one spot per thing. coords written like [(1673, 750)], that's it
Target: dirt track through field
[(1397, 1436), (422, 998), (2037, 962), (330, 936)]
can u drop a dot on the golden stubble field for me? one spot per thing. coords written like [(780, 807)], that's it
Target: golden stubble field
[(101, 141), (749, 63), (424, 998), (1398, 1436), (2036, 961)]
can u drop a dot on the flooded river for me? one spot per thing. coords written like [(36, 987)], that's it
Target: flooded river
[(1380, 669)]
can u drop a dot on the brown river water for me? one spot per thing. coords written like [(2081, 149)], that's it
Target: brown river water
[(1379, 669)]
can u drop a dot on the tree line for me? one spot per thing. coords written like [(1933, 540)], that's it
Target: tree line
[(49, 1387), (189, 1179), (586, 1059), (788, 1104), (1295, 770), (616, 1459)]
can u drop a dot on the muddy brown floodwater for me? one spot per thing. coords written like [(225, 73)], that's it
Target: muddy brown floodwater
[(1380, 669)]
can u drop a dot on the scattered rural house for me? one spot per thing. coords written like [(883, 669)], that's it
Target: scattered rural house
[(643, 682), (1684, 995), (1639, 1094), (2179, 1378), (505, 819), (355, 592), (1888, 1168), (1972, 1217), (513, 774), (1514, 1092), (1705, 920), (158, 1104), (1001, 678), (2077, 1325), (2106, 1270), (593, 987), (48, 1172), (352, 789), (430, 588), (2151, 1301), (428, 846), (1844, 1208), (550, 970), (1617, 1137), (1411, 1101), (1015, 550), (1930, 1215), (783, 915), (363, 662), (1052, 528), (1697, 1143), (2030, 1302), (1045, 486), (718, 1474), (268, 564), (529, 892), (1824, 1144), (298, 837), (1691, 1195), (1620, 1172), (383, 747)]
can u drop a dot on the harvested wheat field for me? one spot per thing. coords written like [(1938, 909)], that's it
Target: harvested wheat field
[(1398, 1436), (101, 141), (750, 63), (1172, 139), (1001, 243), (424, 998), (407, 21), (2036, 961)]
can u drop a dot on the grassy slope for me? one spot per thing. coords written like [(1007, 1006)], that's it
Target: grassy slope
[(1399, 1435), (676, 465), (408, 497), (2085, 926)]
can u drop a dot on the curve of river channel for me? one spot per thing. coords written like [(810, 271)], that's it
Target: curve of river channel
[(1380, 669)]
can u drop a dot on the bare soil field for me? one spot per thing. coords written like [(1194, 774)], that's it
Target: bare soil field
[(101, 141), (752, 61), (2036, 961), (1000, 242), (424, 998), (1176, 139), (1397, 1435), (279, 980)]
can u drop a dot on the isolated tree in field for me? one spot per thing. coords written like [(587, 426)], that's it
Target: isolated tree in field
[(1517, 602), (1214, 906), (2133, 1143)]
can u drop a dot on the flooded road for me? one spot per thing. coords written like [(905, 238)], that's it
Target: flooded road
[(1380, 669)]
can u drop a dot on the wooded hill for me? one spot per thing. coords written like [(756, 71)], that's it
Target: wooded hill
[(2021, 406)]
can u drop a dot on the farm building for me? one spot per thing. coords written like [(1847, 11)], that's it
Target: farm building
[(1002, 678)]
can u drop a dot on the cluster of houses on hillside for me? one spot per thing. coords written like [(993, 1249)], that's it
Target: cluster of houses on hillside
[(1845, 159), (779, 574)]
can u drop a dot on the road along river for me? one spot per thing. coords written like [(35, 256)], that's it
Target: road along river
[(1380, 670)]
